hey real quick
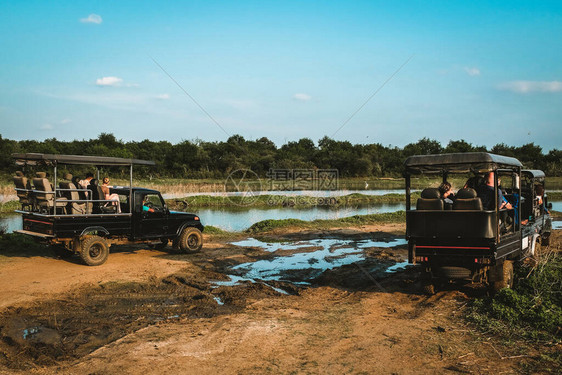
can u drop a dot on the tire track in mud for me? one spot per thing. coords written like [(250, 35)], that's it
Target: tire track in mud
[(49, 332)]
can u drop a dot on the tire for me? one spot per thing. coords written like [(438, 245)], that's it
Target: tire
[(190, 240), (507, 276), (61, 252), (94, 251)]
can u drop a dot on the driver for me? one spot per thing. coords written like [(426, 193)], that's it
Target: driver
[(147, 205)]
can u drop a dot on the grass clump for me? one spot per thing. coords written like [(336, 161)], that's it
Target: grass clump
[(271, 224), (527, 318), (14, 244), (532, 309), (293, 201), (209, 229), (9, 207)]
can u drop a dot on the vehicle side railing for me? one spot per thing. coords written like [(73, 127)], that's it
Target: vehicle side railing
[(86, 201)]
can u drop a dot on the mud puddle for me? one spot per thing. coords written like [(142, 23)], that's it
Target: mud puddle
[(301, 262)]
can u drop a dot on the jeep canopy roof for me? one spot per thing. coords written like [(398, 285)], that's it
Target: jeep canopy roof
[(52, 159), (533, 173), (459, 163)]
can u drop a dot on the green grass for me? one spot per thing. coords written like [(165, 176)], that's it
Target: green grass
[(271, 224), (9, 207), (209, 229), (554, 195), (533, 308), (13, 244), (276, 201), (528, 314)]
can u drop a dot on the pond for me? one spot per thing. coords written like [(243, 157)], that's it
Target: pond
[(240, 219)]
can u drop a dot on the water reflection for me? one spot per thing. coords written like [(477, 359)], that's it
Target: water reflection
[(238, 220), (316, 256)]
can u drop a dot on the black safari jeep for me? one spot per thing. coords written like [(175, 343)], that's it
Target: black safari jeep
[(484, 228), (77, 220)]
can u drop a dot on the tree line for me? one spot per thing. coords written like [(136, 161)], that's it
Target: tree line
[(201, 159)]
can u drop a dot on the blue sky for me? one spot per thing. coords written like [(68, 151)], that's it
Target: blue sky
[(486, 72)]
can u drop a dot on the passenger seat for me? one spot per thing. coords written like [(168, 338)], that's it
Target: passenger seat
[(466, 200), (46, 200), (21, 182), (75, 207), (430, 200)]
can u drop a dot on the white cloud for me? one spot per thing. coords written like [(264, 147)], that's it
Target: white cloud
[(525, 87), (473, 72), (46, 127), (302, 97), (109, 81), (163, 96), (92, 18), (66, 121)]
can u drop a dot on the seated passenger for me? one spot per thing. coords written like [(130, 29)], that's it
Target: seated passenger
[(486, 193), (147, 205), (474, 182), (446, 192), (86, 182), (108, 196)]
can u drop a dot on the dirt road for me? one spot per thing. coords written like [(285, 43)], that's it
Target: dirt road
[(159, 313)]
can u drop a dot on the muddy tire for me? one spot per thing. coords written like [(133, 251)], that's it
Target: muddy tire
[(538, 247), (189, 241), (507, 276), (94, 251), (545, 241)]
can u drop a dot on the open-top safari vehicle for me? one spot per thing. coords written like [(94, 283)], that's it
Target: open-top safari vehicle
[(81, 220), (477, 235)]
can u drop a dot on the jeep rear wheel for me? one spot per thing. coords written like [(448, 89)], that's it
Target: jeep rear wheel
[(507, 276), (190, 240), (95, 251)]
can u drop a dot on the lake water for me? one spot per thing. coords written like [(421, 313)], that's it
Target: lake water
[(240, 219)]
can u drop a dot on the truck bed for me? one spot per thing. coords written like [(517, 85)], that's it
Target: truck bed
[(65, 226)]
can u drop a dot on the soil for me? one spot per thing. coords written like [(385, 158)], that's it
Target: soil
[(158, 312)]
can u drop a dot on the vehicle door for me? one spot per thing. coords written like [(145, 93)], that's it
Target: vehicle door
[(153, 216)]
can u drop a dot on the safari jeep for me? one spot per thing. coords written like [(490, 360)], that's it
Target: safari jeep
[(473, 237), (82, 221)]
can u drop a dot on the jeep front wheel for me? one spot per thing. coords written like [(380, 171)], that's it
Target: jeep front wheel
[(95, 251), (190, 240)]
